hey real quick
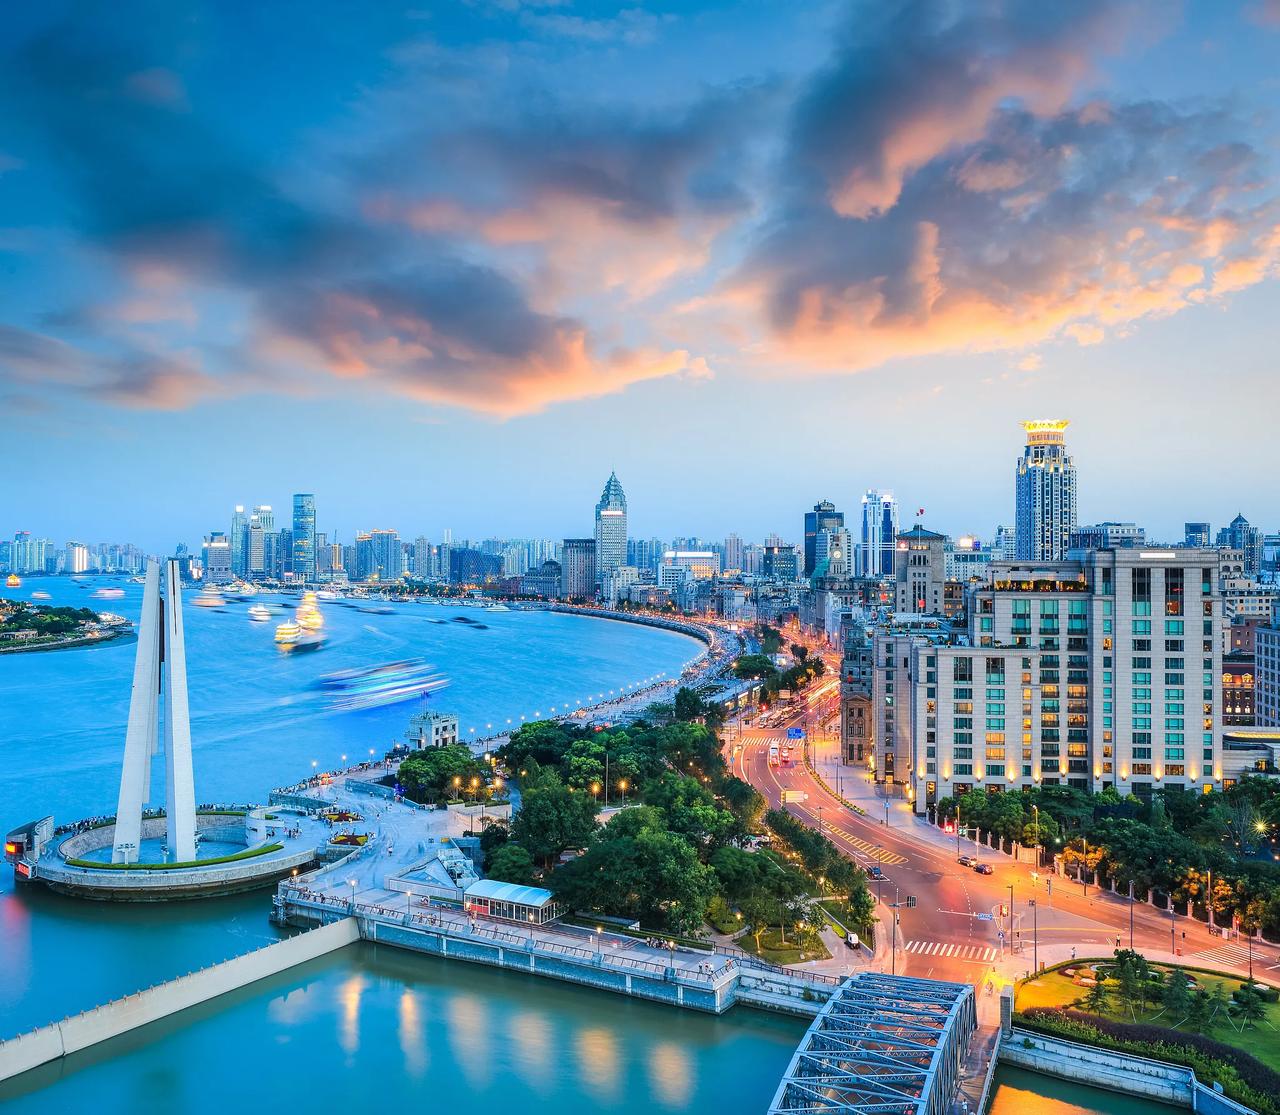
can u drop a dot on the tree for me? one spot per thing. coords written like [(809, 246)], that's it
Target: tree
[(1095, 998), (689, 706), (512, 864), (799, 652), (435, 772), (1175, 996), (1199, 1010), (1250, 1006), (743, 800), (754, 666), (552, 817)]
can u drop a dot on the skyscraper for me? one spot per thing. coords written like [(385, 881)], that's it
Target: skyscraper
[(879, 529), (824, 516), (239, 542), (578, 569), (217, 558), (611, 527), (1239, 535), (1195, 535), (304, 537), (1046, 493), (733, 554)]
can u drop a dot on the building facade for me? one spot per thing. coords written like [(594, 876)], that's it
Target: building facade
[(611, 527), (920, 572), (823, 517), (578, 569), (879, 534), (1045, 485), (304, 536)]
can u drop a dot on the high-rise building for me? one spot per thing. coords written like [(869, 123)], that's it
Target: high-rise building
[(879, 531), (304, 537), (920, 571), (1195, 535), (779, 562), (379, 556), (424, 566), (611, 526), (1107, 536), (578, 569), (239, 542), (1046, 493), (77, 557), (1239, 535), (1006, 543), (733, 554), (833, 553), (824, 516), (443, 560), (217, 558)]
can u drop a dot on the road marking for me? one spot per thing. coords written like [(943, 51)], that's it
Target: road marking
[(1230, 954), (976, 954)]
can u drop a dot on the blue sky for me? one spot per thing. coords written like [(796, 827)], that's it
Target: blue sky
[(447, 265)]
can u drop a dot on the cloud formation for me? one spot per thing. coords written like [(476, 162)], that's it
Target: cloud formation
[(472, 231)]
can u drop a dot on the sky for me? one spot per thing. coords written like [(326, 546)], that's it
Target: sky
[(446, 265)]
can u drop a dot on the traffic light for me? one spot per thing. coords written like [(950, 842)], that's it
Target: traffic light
[(911, 902)]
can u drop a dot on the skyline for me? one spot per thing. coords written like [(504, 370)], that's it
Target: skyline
[(443, 249), (953, 522)]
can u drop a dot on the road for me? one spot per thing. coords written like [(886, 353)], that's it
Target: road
[(952, 932)]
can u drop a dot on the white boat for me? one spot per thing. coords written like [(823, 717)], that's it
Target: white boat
[(109, 593), (287, 632), (259, 613), (209, 597), (39, 596)]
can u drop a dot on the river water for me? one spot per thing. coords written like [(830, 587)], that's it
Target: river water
[(367, 1026)]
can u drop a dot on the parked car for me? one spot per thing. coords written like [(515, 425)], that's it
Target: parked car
[(875, 872), (984, 868), (967, 861)]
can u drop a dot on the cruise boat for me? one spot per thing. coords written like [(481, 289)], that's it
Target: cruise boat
[(287, 633), (387, 684), (39, 596), (259, 613), (13, 581), (209, 597), (109, 593), (310, 619)]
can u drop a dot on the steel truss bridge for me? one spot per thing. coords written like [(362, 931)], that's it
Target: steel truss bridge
[(882, 1045)]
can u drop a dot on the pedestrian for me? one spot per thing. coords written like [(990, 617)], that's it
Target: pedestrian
[(1073, 952)]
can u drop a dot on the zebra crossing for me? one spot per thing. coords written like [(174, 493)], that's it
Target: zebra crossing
[(868, 849), (979, 954), (1232, 954)]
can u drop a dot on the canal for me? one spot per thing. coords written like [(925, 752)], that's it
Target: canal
[(1018, 1091)]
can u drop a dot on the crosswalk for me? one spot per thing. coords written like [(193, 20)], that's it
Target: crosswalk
[(868, 849), (981, 954), (1233, 954)]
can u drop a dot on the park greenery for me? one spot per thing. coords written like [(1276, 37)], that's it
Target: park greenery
[(44, 620), (450, 773), (772, 680), (1224, 1028), (685, 852), (1171, 844)]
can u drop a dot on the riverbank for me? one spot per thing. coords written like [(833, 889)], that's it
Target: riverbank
[(30, 646)]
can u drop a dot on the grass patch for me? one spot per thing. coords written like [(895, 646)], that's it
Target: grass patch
[(773, 949), (248, 853), (1053, 989)]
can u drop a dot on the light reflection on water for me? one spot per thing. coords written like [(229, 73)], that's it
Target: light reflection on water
[(391, 1025)]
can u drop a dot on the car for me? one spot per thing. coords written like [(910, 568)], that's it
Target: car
[(967, 861), (875, 872), (984, 868)]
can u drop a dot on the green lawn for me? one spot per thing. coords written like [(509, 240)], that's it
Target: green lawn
[(1053, 989), (773, 950)]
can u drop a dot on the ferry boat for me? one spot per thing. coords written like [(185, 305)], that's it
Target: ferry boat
[(288, 632), (310, 619), (109, 593), (209, 597), (259, 613), (39, 596), (13, 581), (387, 684)]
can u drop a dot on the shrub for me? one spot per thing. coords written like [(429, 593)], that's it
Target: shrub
[(1243, 1077)]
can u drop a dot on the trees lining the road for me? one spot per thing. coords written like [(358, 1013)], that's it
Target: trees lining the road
[(1169, 844)]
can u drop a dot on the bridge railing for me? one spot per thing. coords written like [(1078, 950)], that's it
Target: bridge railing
[(751, 960)]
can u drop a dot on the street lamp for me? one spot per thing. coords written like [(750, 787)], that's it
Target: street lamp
[(1035, 936), (1011, 919), (353, 895), (623, 787)]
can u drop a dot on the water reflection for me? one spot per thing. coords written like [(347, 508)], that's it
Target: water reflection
[(349, 1013), (597, 1050), (469, 1036), (412, 1043), (670, 1074), (530, 1039)]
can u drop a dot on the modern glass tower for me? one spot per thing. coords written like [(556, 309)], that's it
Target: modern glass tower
[(611, 527), (1046, 493), (304, 537), (879, 531), (823, 517)]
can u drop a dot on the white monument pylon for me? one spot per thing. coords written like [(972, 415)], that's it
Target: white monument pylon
[(160, 668)]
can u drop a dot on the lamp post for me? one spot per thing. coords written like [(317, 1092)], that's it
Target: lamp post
[(894, 938), (1035, 936), (886, 814), (353, 895), (1010, 919), (1035, 820), (623, 787), (1131, 915), (1208, 899)]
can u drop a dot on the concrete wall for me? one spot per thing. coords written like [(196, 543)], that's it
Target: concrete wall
[(121, 1015), (1209, 1102), (1100, 1068)]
